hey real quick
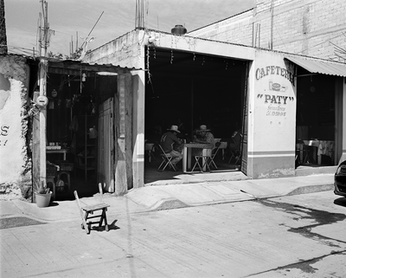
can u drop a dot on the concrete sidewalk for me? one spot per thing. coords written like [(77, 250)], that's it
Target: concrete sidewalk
[(151, 198)]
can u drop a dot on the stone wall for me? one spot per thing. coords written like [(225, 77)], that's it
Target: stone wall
[(15, 165)]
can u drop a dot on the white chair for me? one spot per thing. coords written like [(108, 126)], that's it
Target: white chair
[(214, 152), (202, 161), (166, 160)]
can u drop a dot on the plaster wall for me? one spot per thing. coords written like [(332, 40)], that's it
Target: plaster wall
[(15, 166), (199, 45), (128, 50), (124, 51), (272, 117)]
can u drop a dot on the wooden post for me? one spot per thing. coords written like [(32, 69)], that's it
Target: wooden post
[(42, 93), (42, 121)]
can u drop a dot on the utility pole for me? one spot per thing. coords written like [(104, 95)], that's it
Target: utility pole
[(139, 20), (44, 40), (3, 33), (272, 25)]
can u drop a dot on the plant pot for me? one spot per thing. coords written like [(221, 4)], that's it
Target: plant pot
[(43, 200)]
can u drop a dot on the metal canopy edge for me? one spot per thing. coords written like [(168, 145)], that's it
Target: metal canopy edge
[(90, 67), (319, 66)]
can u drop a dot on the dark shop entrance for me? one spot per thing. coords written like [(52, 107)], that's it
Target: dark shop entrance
[(319, 119), (188, 90)]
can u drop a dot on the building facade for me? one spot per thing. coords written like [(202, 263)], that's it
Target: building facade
[(276, 72), (98, 115), (265, 86)]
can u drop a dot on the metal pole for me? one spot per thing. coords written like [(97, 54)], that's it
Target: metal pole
[(272, 24)]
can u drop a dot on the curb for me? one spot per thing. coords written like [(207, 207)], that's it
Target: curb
[(157, 198), (173, 203), (311, 189)]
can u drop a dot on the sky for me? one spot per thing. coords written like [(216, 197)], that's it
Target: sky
[(67, 17)]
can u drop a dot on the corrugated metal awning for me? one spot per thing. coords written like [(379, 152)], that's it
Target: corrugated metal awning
[(70, 66), (319, 66)]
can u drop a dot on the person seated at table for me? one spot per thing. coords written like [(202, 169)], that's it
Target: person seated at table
[(235, 140), (203, 135), (172, 144)]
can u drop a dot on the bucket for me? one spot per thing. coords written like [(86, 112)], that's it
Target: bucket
[(43, 200)]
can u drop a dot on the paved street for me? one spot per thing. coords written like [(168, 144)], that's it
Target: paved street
[(292, 236)]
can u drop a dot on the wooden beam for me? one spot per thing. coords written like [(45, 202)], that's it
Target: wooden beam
[(42, 121)]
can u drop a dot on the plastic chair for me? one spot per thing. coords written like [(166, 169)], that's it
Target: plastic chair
[(166, 160)]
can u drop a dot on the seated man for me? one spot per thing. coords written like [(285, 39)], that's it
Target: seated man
[(203, 135), (234, 144), (172, 144)]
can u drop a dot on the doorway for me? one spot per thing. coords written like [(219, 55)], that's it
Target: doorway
[(189, 90), (78, 115), (316, 120)]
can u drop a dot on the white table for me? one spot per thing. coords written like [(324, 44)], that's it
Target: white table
[(319, 147), (62, 151)]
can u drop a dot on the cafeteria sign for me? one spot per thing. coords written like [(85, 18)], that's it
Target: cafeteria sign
[(275, 99), (274, 70)]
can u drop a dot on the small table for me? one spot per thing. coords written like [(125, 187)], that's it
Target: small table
[(187, 153), (62, 151), (315, 148)]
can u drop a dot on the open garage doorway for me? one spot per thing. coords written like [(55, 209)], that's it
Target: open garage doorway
[(191, 89), (319, 120)]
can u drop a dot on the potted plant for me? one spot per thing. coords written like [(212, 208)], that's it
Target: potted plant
[(43, 196)]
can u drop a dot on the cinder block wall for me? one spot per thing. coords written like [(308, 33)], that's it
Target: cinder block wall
[(310, 27), (236, 29)]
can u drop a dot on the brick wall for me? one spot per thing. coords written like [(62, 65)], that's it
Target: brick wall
[(309, 27), (236, 29)]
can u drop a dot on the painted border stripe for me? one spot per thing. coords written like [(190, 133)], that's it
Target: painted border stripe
[(272, 154)]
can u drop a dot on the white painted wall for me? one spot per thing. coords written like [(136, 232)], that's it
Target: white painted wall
[(12, 126), (272, 117)]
